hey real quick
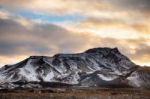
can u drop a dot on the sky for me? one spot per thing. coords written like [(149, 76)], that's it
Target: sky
[(47, 27)]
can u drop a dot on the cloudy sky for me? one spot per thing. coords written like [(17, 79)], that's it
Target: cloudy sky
[(47, 27)]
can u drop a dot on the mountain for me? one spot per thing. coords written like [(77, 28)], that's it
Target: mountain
[(97, 67)]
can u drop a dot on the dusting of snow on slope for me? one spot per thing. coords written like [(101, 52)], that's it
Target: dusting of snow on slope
[(94, 67), (28, 71), (107, 78)]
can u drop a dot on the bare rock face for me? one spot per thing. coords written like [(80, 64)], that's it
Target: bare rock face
[(100, 67)]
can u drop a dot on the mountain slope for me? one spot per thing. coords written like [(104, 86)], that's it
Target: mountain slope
[(104, 67)]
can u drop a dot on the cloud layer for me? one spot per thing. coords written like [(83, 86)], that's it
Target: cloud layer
[(38, 27)]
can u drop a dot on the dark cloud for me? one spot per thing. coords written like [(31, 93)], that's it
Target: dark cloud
[(49, 39), (76, 5), (41, 39), (132, 4), (16, 39)]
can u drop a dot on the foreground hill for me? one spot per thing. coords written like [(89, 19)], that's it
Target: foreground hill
[(100, 67)]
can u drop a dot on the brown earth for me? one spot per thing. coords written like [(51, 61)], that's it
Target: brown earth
[(76, 93)]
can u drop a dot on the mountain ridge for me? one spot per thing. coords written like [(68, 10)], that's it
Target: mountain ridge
[(101, 67)]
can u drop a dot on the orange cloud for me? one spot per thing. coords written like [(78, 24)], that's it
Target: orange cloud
[(106, 24)]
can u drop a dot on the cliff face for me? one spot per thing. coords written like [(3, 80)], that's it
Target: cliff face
[(102, 67)]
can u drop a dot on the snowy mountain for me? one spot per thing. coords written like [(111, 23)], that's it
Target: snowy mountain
[(102, 67)]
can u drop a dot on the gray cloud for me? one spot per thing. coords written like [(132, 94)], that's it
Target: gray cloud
[(16, 39), (132, 4), (41, 39), (77, 5), (49, 39)]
